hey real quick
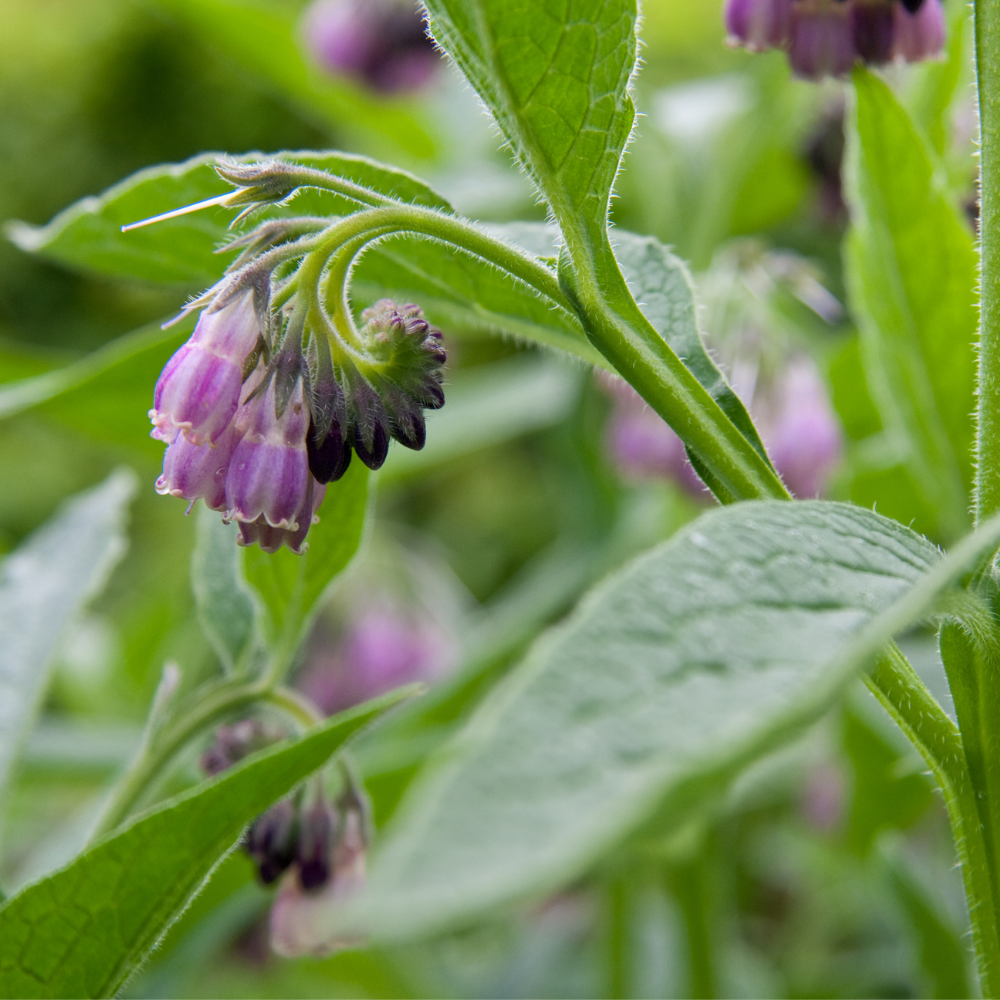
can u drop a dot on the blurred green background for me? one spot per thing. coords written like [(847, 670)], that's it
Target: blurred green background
[(828, 871)]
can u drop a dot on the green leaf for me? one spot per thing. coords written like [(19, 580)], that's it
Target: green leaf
[(291, 586), (912, 268), (267, 42), (701, 655), (43, 586), (82, 931), (555, 75), (180, 251), (225, 606)]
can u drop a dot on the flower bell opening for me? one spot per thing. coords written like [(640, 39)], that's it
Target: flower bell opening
[(827, 37)]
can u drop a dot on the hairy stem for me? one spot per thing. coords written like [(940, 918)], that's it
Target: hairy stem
[(987, 32)]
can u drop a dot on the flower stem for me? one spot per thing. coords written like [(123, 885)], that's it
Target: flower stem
[(987, 34)]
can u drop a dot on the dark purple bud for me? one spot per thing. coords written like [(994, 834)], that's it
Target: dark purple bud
[(317, 828), (920, 30), (821, 41), (199, 389), (873, 29), (759, 24), (272, 840), (269, 471), (330, 457)]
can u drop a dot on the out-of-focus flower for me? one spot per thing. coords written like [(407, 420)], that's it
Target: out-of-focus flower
[(381, 650), (233, 743), (381, 43), (826, 37), (272, 840)]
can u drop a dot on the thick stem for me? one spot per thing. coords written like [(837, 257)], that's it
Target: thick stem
[(987, 31)]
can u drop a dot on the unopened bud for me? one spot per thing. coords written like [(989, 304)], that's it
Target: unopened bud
[(272, 840)]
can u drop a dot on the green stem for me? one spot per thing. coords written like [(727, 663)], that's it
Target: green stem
[(987, 33), (202, 711)]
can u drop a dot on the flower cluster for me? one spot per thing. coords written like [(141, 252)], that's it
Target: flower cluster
[(380, 43), (256, 431), (827, 37)]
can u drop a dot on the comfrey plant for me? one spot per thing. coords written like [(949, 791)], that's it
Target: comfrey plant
[(612, 744)]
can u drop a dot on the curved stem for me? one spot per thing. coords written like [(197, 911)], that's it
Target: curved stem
[(201, 711)]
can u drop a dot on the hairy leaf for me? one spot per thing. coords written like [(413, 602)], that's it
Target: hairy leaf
[(82, 931), (180, 251), (43, 586), (225, 605), (686, 665), (291, 586), (912, 274), (555, 76)]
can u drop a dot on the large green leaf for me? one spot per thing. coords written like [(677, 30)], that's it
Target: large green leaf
[(912, 273), (291, 586), (82, 931), (43, 586), (180, 251), (683, 667), (555, 75)]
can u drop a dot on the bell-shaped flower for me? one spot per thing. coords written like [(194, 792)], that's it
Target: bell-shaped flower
[(920, 33), (268, 474), (759, 24), (199, 389), (821, 38), (270, 539)]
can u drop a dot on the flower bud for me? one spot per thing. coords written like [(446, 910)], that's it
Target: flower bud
[(821, 39), (314, 854), (199, 389), (272, 840), (233, 743), (268, 474)]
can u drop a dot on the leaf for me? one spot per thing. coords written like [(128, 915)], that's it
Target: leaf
[(912, 268), (292, 586), (43, 586), (82, 931), (266, 42), (126, 354), (680, 669), (180, 251), (555, 76), (225, 606)]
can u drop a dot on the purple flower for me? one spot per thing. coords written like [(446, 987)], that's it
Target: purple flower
[(268, 474), (919, 34), (873, 29), (381, 43), (199, 389), (822, 43), (759, 24), (803, 437), (641, 444), (198, 471), (270, 539), (382, 650)]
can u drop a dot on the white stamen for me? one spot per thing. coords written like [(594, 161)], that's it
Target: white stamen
[(222, 199)]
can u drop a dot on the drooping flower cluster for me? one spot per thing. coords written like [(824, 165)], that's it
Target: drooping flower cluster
[(257, 429), (827, 37), (380, 43), (306, 838)]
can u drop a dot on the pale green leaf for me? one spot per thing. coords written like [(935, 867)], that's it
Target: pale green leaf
[(225, 605), (180, 251), (43, 586), (82, 931), (677, 671), (912, 267)]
